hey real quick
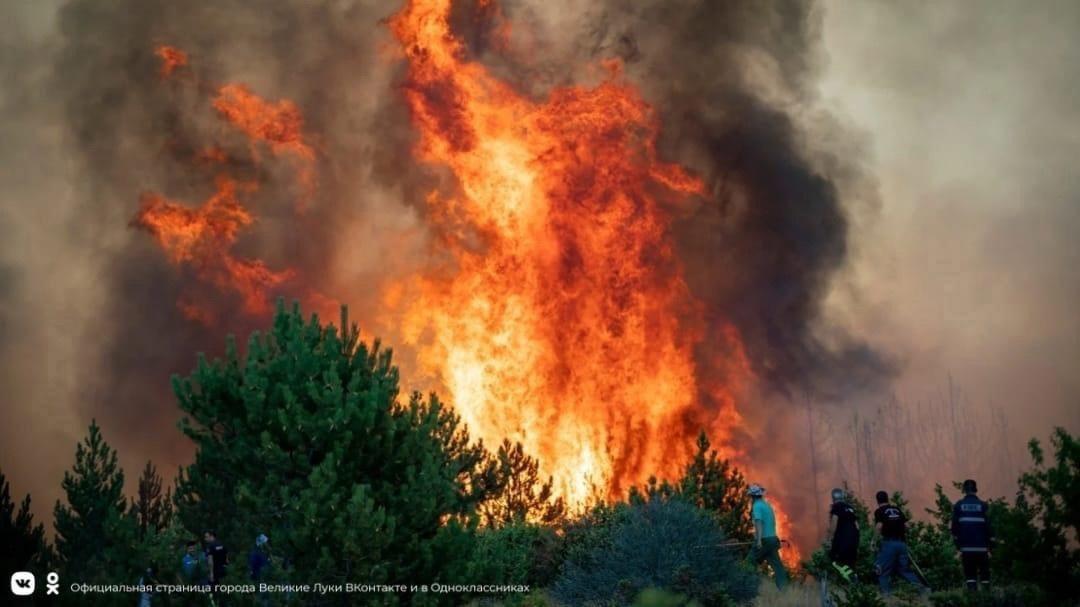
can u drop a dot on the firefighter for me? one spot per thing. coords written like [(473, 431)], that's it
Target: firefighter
[(766, 544), (972, 533), (893, 554), (844, 530)]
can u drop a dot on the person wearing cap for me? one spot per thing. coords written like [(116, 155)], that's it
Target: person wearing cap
[(844, 529), (972, 533), (766, 545)]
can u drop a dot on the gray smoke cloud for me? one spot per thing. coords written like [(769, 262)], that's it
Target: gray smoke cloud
[(89, 124), (836, 140)]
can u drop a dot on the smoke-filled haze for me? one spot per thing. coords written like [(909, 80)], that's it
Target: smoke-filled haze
[(893, 200)]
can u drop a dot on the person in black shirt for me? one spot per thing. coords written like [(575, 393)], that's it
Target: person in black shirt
[(216, 557), (893, 555), (972, 533), (844, 529)]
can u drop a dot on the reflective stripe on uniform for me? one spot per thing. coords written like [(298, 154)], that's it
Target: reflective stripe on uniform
[(971, 519), (974, 549)]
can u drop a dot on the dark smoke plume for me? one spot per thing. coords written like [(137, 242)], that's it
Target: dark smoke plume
[(765, 252)]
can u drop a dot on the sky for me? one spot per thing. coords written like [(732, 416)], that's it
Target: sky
[(962, 118), (971, 117)]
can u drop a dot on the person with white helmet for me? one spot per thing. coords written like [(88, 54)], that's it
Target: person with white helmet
[(844, 530), (766, 545), (259, 561)]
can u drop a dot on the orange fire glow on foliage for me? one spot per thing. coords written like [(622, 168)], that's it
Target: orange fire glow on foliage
[(565, 322)]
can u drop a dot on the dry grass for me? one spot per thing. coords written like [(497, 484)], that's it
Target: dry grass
[(795, 595)]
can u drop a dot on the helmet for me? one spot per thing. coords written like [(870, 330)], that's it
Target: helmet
[(756, 490), (838, 495)]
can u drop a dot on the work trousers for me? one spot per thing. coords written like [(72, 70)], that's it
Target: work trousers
[(892, 559), (770, 553), (976, 568)]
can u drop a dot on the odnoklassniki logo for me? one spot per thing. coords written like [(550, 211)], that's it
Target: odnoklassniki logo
[(23, 583)]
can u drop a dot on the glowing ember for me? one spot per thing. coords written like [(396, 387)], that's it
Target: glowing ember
[(565, 323), (172, 59)]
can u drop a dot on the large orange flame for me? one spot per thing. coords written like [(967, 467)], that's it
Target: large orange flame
[(562, 320)]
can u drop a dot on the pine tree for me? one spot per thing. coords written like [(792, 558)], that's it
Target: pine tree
[(520, 495), (23, 542), (714, 484), (95, 534), (304, 439), (152, 508)]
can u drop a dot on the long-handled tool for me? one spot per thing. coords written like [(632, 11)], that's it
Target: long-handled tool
[(918, 570), (783, 543)]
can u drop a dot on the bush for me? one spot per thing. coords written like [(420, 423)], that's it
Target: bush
[(654, 597), (1007, 596), (661, 543), (519, 553), (858, 595)]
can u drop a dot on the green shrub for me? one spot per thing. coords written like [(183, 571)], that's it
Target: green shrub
[(584, 537), (1008, 596), (654, 597), (659, 543), (519, 553), (857, 595)]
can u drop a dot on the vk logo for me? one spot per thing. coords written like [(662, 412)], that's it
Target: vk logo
[(22, 583)]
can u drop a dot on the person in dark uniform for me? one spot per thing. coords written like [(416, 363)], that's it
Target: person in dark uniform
[(844, 529), (972, 533), (893, 555), (217, 557)]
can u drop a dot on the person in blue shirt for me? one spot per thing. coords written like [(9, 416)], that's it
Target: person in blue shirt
[(148, 580), (259, 566), (259, 558), (766, 546), (193, 564)]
